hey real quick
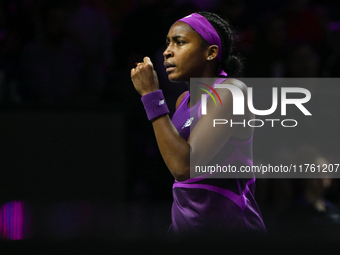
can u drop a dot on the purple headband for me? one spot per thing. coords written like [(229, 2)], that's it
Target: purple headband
[(203, 27)]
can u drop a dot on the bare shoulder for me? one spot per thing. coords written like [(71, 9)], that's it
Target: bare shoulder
[(236, 83), (180, 98)]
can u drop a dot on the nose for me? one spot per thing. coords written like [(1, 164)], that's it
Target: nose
[(168, 52)]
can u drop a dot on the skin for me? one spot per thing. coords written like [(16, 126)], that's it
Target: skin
[(190, 58), (191, 54)]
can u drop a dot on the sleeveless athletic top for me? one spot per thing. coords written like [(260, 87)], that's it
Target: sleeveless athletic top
[(203, 205)]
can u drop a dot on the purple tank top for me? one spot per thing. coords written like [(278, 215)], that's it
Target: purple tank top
[(203, 205)]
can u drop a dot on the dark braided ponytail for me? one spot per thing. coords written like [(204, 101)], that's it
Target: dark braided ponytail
[(231, 62)]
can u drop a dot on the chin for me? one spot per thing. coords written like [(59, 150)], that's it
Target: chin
[(173, 78), (176, 79)]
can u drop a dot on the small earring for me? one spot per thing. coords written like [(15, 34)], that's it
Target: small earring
[(209, 57)]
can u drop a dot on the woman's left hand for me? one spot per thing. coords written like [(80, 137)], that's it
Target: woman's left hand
[(144, 77)]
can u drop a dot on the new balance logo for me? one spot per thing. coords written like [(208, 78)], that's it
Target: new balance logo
[(188, 122)]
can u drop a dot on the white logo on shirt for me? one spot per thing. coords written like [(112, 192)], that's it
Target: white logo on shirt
[(188, 122)]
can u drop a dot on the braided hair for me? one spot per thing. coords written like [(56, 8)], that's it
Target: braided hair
[(231, 62)]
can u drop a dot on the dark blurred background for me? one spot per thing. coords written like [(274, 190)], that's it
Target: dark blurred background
[(78, 157)]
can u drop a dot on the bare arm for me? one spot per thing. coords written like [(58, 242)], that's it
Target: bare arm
[(174, 149), (203, 143), (176, 156)]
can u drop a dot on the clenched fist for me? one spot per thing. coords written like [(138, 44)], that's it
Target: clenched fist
[(144, 77)]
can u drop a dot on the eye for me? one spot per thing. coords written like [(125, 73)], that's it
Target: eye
[(180, 42)]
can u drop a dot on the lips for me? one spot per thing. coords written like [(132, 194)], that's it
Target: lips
[(169, 67)]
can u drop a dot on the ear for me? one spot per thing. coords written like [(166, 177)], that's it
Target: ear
[(212, 52)]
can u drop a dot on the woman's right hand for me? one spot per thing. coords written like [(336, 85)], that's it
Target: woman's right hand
[(144, 77)]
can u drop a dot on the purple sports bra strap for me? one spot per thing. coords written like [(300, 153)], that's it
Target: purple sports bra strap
[(184, 99)]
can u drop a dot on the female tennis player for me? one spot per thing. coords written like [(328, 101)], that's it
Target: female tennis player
[(200, 46)]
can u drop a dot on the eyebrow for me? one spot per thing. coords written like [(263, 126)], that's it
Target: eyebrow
[(176, 37)]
